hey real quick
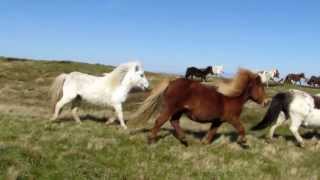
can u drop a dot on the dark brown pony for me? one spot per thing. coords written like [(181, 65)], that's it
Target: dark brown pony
[(202, 103), (295, 78), (202, 73), (313, 81)]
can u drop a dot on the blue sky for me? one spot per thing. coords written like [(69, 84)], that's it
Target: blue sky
[(166, 35)]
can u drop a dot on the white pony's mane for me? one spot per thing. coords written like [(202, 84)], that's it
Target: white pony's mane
[(119, 73)]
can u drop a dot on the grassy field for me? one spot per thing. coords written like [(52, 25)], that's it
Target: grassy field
[(33, 148)]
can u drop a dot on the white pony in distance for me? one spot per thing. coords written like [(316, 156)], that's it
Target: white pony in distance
[(267, 76), (217, 70), (301, 108), (109, 90)]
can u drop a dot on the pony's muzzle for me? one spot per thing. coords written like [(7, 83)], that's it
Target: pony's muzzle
[(145, 87)]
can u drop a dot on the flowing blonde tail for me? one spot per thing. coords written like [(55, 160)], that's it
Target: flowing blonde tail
[(56, 90), (150, 105)]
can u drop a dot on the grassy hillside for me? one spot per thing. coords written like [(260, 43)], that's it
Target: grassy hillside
[(33, 148)]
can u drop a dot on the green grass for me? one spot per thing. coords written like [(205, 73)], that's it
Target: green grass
[(33, 148)]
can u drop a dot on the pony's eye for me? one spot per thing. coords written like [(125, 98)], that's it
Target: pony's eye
[(142, 75)]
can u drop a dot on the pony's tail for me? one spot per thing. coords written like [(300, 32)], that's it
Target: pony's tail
[(56, 90), (187, 74), (150, 106), (280, 102)]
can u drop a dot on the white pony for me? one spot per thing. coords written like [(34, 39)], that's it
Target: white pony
[(218, 70), (267, 76), (300, 107), (111, 89)]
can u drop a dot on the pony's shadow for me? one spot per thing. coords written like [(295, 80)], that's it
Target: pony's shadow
[(290, 137), (312, 134), (196, 134), (87, 117)]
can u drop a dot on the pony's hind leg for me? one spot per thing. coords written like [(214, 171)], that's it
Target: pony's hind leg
[(280, 121), (75, 115), (175, 123), (163, 117), (212, 131), (62, 102), (294, 128), (74, 109)]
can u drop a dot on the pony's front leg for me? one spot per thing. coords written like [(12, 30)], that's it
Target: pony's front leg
[(119, 112), (203, 78), (235, 122), (110, 118)]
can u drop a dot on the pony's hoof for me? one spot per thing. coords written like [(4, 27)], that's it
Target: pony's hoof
[(205, 141), (151, 141), (184, 142), (301, 145), (53, 121), (124, 127), (108, 123), (244, 146), (269, 140), (242, 141)]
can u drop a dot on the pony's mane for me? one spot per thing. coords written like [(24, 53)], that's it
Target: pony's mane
[(235, 86), (117, 75)]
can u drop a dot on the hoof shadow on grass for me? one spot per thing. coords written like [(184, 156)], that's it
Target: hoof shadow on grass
[(200, 134), (87, 117)]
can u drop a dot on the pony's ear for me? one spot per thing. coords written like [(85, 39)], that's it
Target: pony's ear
[(137, 68)]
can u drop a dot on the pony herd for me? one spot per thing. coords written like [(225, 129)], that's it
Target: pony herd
[(314, 81), (266, 76), (216, 104)]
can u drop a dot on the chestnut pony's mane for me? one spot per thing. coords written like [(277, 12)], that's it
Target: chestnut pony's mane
[(235, 87)]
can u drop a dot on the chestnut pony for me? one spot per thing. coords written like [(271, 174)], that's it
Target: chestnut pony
[(201, 103)]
